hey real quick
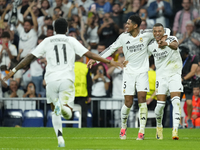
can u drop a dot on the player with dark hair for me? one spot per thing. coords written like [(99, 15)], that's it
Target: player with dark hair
[(60, 53), (168, 64), (134, 42)]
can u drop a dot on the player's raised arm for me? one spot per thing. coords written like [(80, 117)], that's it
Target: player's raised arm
[(27, 60)]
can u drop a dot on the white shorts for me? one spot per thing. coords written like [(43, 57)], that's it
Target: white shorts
[(132, 82), (169, 84), (62, 89)]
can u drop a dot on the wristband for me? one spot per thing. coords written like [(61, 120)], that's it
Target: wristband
[(14, 70), (168, 43)]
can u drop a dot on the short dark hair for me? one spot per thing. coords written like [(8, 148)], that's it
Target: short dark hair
[(49, 27), (5, 34), (42, 37), (158, 25), (135, 19), (29, 21), (60, 26)]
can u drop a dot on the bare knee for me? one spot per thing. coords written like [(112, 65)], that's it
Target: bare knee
[(128, 101), (189, 102), (142, 97)]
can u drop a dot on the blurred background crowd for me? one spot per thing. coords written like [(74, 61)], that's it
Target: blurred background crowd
[(94, 23)]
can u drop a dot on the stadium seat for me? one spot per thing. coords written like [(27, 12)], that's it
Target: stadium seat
[(151, 114), (33, 118), (12, 117), (77, 119)]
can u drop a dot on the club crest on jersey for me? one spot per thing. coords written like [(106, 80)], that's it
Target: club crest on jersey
[(124, 91), (141, 39)]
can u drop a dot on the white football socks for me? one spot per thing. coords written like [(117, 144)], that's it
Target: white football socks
[(159, 112), (143, 111), (57, 124), (176, 112), (124, 116), (66, 112)]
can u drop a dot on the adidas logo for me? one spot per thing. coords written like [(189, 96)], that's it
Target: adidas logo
[(145, 89), (154, 50), (179, 89), (128, 42), (143, 118)]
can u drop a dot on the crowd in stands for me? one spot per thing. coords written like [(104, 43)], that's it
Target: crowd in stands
[(94, 23)]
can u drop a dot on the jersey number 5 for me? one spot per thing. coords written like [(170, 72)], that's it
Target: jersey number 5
[(64, 54)]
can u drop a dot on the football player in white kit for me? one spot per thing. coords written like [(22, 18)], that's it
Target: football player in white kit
[(60, 51), (134, 42), (168, 64)]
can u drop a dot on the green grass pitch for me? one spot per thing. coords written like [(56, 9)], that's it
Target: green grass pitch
[(96, 138)]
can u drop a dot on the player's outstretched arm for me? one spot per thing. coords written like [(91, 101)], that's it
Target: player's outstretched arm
[(173, 45), (97, 57), (27, 60)]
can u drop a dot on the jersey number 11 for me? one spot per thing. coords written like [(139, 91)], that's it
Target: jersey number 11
[(64, 54)]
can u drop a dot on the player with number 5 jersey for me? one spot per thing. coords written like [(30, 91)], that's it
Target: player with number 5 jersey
[(134, 42)]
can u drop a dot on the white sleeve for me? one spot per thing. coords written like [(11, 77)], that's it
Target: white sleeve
[(170, 39), (40, 49), (78, 47), (112, 48), (149, 51), (19, 28), (167, 31)]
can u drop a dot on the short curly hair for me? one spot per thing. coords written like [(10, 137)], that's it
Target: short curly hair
[(60, 26)]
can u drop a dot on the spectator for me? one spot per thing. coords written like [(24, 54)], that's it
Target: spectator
[(117, 16), (151, 95), (108, 31), (13, 90), (101, 7), (182, 16), (46, 22), (196, 107), (190, 38), (143, 25), (135, 9), (50, 31), (58, 4), (45, 6), (58, 13), (91, 30), (2, 27), (73, 10), (144, 16), (160, 11), (36, 70), (8, 51), (116, 74), (72, 32), (190, 64), (28, 35), (83, 84), (99, 89), (30, 90), (84, 5)]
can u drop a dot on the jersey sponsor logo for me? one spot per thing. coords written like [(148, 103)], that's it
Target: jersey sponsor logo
[(161, 55), (128, 42), (141, 39), (154, 50), (135, 48)]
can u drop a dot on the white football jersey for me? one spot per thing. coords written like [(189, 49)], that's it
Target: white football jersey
[(135, 50), (167, 61), (60, 53)]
